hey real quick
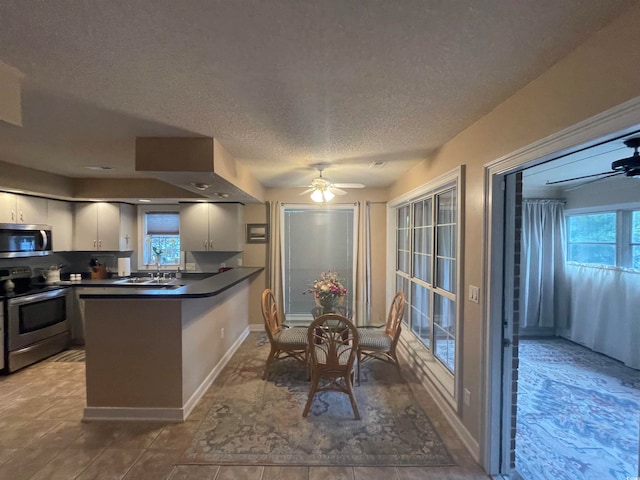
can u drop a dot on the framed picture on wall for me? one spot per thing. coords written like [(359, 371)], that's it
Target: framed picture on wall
[(257, 233)]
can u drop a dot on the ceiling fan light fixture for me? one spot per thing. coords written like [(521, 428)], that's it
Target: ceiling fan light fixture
[(317, 196), (328, 195)]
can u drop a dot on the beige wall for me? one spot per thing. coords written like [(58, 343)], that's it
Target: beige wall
[(203, 345), (598, 76), (255, 255)]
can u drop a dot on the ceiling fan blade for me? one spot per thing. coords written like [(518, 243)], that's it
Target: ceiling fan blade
[(348, 185), (309, 190), (337, 191), (610, 173), (593, 181)]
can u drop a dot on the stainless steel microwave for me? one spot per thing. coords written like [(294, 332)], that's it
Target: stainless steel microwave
[(17, 240)]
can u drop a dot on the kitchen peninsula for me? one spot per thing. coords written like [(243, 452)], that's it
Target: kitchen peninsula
[(151, 353)]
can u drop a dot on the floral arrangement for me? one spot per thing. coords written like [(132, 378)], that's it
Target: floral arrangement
[(329, 285)]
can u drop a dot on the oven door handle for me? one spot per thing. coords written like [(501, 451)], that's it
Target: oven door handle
[(38, 297)]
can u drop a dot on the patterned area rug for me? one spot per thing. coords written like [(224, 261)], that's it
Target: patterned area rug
[(577, 413), (260, 422)]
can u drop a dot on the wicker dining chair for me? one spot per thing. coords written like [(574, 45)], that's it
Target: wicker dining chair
[(333, 347), (381, 344), (285, 342)]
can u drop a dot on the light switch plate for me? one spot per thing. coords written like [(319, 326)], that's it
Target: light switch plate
[(474, 294), (190, 266)]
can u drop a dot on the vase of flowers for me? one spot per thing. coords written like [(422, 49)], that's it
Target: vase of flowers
[(328, 291)]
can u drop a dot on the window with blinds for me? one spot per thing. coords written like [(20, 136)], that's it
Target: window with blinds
[(161, 238), (315, 241)]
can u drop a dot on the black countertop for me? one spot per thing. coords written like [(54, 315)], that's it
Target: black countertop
[(187, 287)]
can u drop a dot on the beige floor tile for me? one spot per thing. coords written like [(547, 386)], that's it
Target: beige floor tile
[(439, 473), (375, 473), (135, 435), (194, 472), (62, 435), (175, 436), (42, 435), (20, 433), (152, 465), (68, 464), (26, 462), (333, 473), (111, 463), (24, 407), (232, 472), (285, 473), (6, 454), (66, 408)]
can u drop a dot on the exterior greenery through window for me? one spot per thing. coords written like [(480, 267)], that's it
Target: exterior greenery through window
[(606, 238), (426, 269), (162, 234)]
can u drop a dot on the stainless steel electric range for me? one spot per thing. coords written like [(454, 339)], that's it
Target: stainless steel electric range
[(36, 320)]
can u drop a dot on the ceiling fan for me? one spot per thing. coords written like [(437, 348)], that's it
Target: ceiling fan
[(629, 166), (323, 190)]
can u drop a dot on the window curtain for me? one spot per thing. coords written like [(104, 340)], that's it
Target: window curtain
[(543, 292), (604, 311), (362, 281), (274, 253)]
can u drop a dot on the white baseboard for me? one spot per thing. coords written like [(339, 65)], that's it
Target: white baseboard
[(122, 414), (204, 386), (175, 415)]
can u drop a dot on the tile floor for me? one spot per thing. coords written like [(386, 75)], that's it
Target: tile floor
[(42, 437)]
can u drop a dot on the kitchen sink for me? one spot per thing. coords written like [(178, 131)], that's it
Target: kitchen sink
[(147, 282)]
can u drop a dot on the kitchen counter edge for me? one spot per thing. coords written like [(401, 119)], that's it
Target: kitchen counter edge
[(207, 287)]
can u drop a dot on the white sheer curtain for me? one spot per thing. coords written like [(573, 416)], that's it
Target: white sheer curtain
[(362, 242), (604, 312), (543, 295), (274, 260)]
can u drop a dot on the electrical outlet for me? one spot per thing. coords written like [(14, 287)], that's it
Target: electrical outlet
[(222, 333), (190, 266), (467, 397), (474, 294), (223, 265), (239, 262)]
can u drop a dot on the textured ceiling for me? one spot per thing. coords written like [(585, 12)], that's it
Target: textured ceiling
[(281, 84)]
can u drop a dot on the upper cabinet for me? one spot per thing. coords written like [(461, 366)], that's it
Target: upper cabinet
[(211, 227), (22, 209), (60, 217), (104, 226)]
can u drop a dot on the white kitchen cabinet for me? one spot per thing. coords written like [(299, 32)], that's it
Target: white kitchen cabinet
[(211, 227), (60, 217), (16, 208), (104, 226)]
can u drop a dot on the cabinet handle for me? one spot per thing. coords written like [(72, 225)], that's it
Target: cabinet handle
[(210, 244), (13, 215), (99, 244), (21, 216), (94, 244), (205, 245)]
